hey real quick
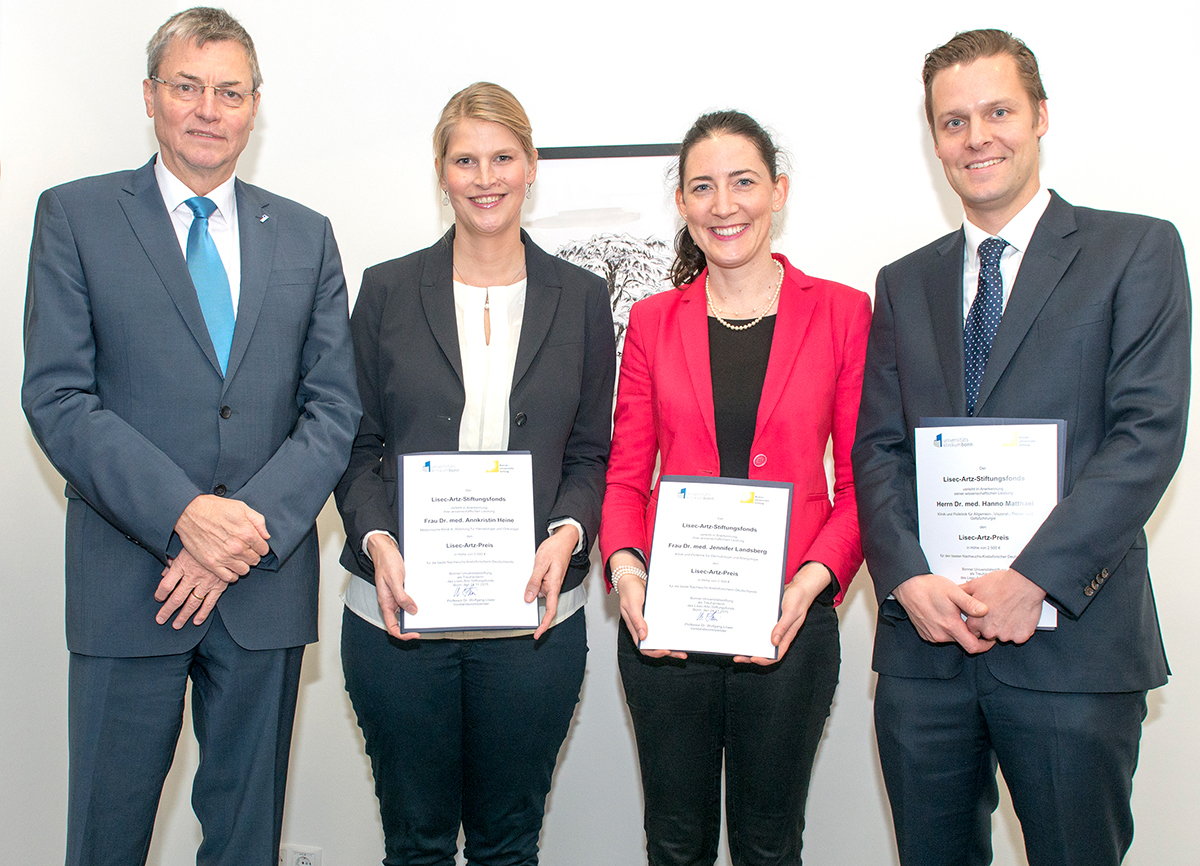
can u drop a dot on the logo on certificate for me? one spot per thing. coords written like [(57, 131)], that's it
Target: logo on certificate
[(435, 467), (951, 442)]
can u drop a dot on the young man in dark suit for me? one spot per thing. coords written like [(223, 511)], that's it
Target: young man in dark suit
[(189, 371), (1034, 309)]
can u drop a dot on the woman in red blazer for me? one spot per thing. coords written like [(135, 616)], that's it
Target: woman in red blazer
[(746, 371)]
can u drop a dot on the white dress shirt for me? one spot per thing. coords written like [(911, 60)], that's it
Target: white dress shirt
[(1017, 233), (222, 224)]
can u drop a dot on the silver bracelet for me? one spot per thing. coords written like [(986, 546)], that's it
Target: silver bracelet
[(624, 571)]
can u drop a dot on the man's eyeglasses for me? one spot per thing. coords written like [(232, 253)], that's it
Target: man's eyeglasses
[(189, 91)]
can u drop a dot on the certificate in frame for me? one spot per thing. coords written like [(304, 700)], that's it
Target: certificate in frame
[(718, 562), (984, 487), (466, 520)]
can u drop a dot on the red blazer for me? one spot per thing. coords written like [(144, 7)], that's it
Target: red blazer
[(811, 392)]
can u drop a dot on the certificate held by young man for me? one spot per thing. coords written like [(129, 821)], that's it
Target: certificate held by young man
[(717, 565), (466, 518), (984, 488)]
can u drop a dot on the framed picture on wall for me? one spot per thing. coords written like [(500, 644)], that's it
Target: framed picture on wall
[(610, 209)]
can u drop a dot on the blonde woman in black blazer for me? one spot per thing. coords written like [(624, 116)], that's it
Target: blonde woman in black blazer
[(466, 730)]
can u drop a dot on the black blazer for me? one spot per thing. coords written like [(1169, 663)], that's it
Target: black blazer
[(410, 377), (1096, 331)]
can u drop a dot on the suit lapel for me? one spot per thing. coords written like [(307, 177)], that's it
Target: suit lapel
[(256, 240), (796, 307), (944, 295), (437, 299), (151, 224), (542, 291), (693, 334), (1050, 253)]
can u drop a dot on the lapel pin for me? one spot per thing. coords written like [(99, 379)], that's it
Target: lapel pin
[(263, 218)]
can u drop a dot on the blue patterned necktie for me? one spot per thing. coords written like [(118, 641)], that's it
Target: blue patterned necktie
[(210, 279), (984, 317)]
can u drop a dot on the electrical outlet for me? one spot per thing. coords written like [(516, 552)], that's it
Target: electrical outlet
[(299, 855)]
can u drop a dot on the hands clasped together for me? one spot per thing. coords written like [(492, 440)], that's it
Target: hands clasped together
[(1001, 605), (222, 540)]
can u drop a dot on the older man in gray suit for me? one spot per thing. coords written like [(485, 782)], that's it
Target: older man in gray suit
[(1034, 309), (188, 370)]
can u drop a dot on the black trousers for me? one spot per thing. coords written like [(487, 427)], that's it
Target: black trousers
[(463, 732), (765, 724), (1068, 759)]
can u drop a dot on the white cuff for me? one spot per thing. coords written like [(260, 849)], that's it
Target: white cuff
[(563, 521), (367, 538)]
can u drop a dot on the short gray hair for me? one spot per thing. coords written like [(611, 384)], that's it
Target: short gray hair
[(201, 25)]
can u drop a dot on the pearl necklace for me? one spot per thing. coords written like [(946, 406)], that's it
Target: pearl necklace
[(761, 316)]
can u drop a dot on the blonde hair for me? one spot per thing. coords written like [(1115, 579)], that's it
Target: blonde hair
[(483, 101)]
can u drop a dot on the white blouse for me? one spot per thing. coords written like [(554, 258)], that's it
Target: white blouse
[(487, 367)]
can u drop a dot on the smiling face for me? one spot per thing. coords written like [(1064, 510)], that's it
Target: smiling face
[(986, 133), (485, 172), (727, 197), (200, 141)]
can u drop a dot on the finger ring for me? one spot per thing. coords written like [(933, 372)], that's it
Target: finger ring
[(199, 597)]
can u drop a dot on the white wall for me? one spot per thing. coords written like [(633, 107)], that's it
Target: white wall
[(351, 96)]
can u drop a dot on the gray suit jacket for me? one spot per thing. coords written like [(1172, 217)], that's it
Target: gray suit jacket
[(124, 394), (410, 377), (1097, 332)]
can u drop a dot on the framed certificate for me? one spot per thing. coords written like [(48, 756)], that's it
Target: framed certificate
[(466, 518), (717, 565), (984, 487)]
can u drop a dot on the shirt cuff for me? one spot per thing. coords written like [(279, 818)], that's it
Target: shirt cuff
[(563, 521), (367, 538)]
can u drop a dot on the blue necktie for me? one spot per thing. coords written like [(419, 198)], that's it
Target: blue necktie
[(984, 317), (210, 279)]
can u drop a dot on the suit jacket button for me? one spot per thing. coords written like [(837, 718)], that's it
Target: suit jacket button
[(521, 419), (1089, 592), (760, 460), (220, 490), (226, 411), (1104, 573)]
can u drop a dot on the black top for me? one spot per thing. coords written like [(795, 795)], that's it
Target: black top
[(738, 365)]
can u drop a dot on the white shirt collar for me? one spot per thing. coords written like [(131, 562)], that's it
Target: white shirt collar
[(1017, 232), (175, 192)]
